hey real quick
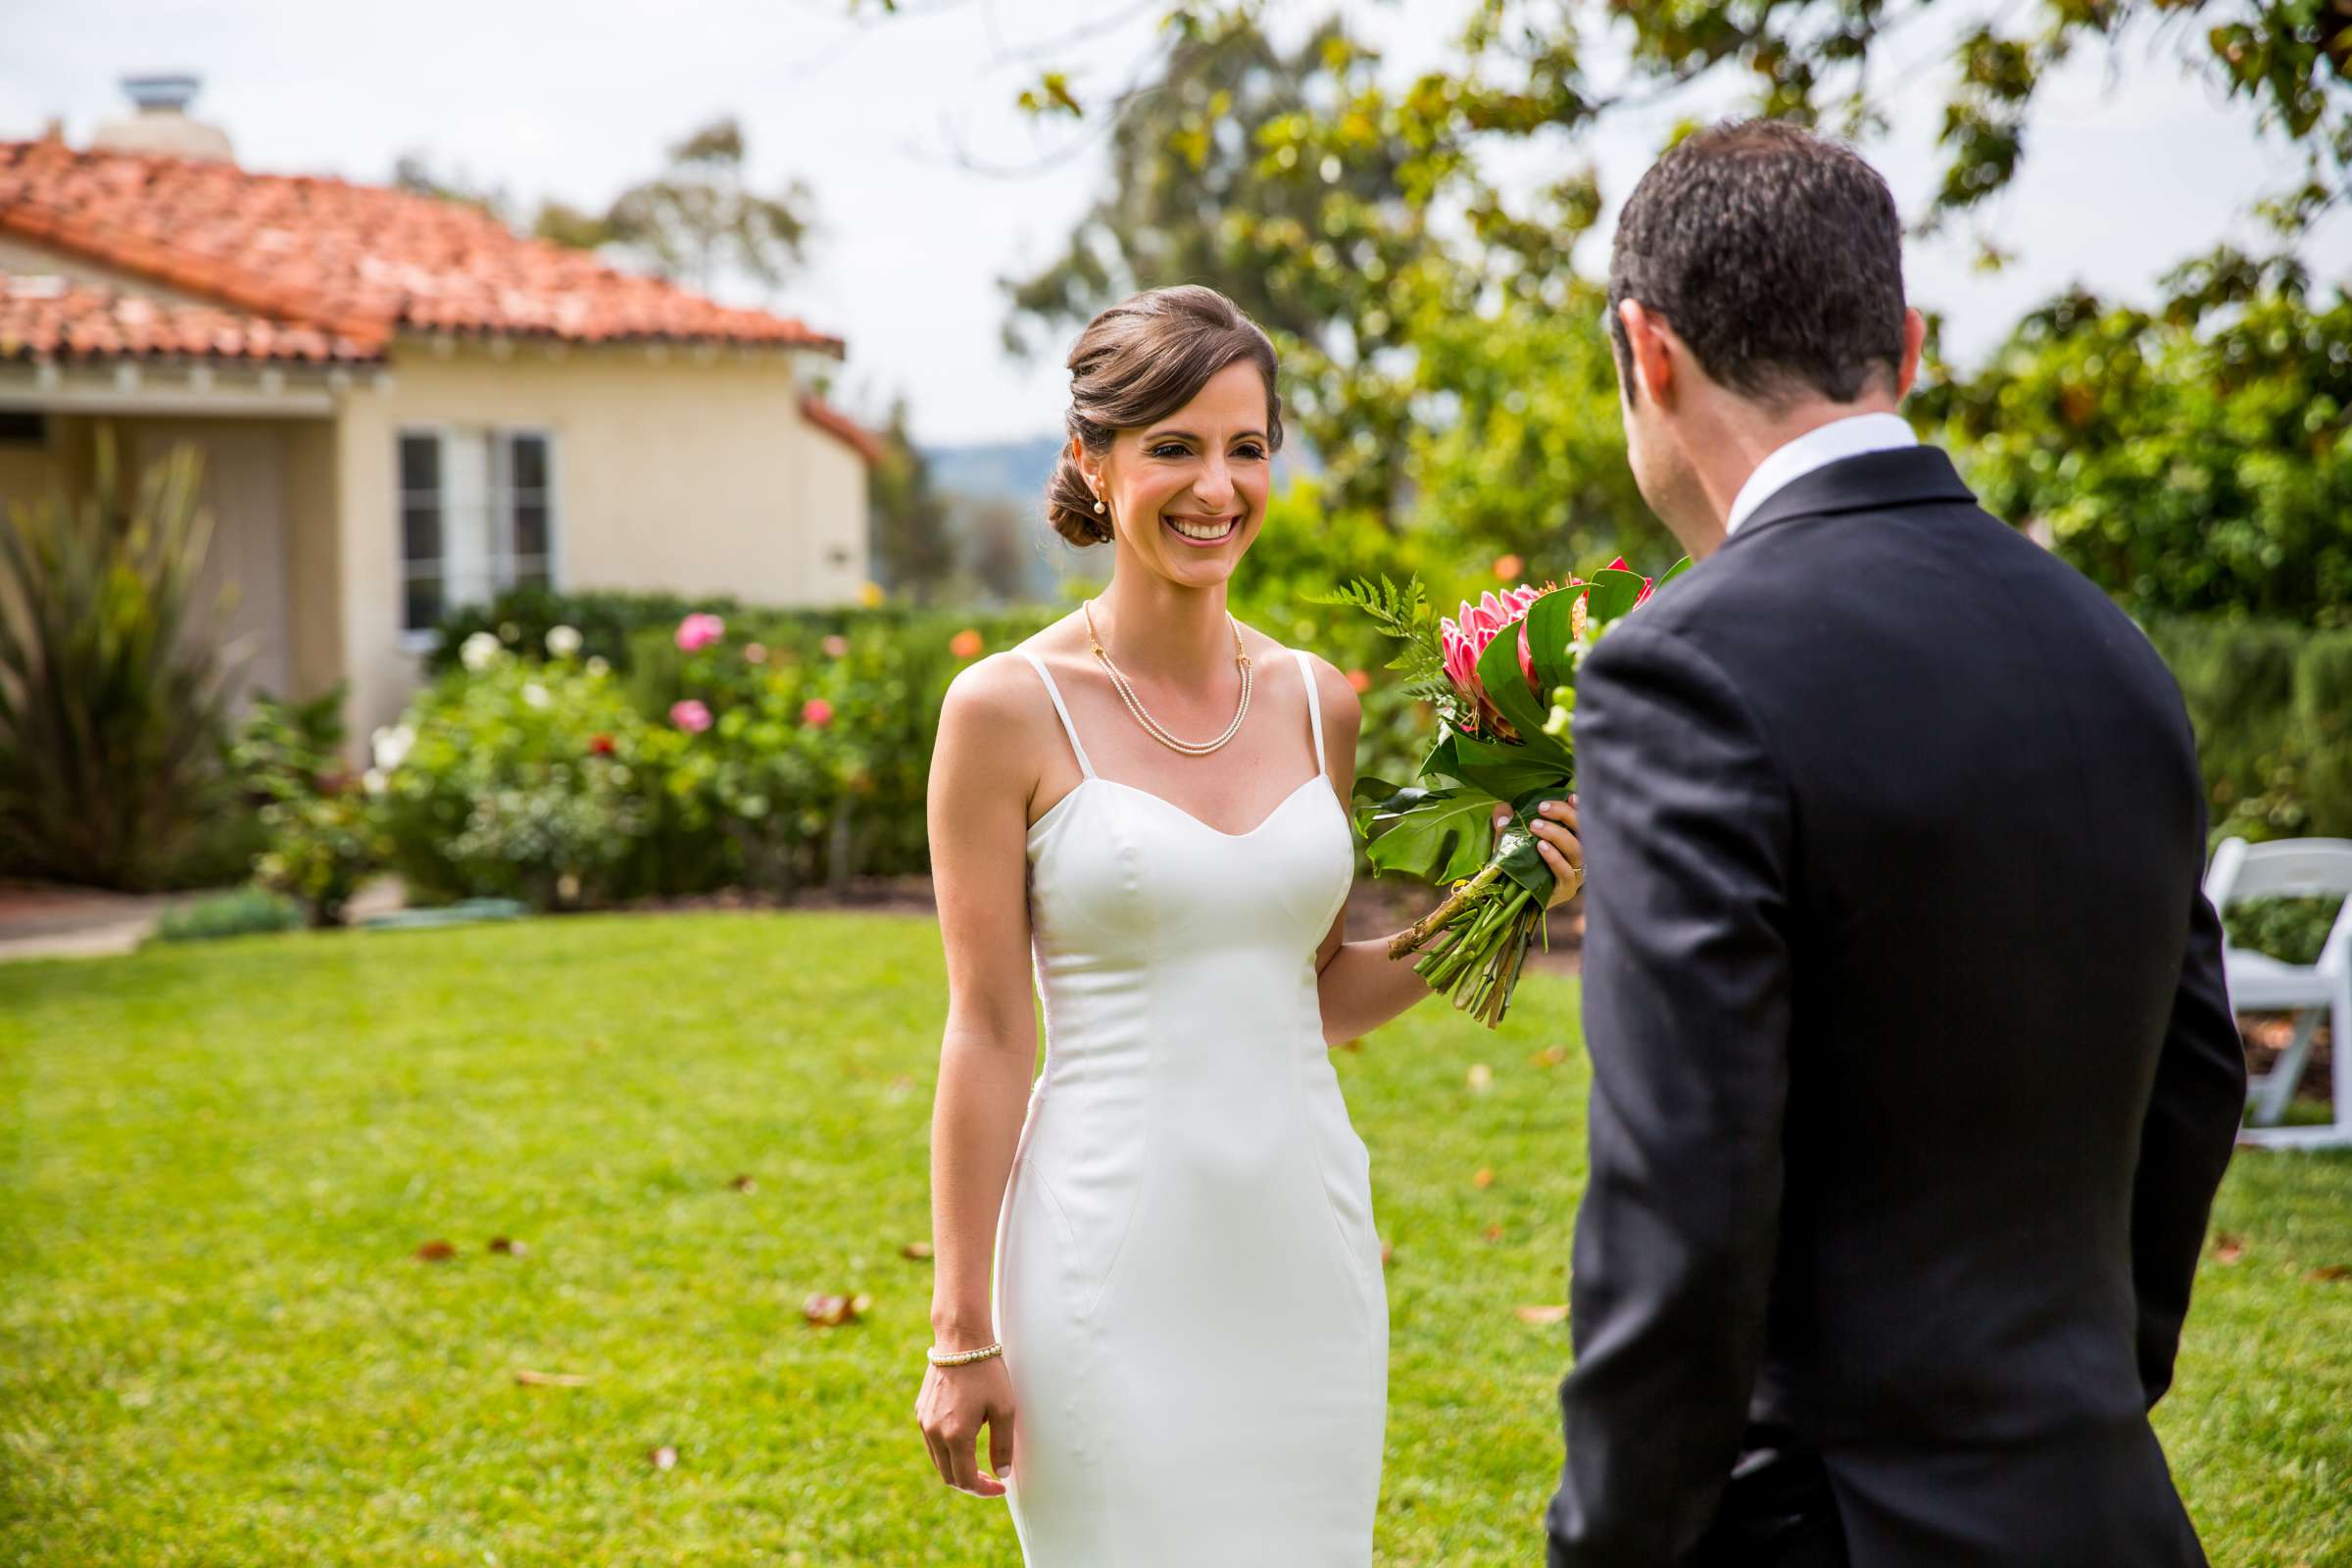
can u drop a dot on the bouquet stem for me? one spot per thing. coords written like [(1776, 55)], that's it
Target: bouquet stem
[(1411, 938), (1481, 935)]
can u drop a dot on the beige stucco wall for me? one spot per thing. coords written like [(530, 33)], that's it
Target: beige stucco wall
[(244, 485), (693, 472)]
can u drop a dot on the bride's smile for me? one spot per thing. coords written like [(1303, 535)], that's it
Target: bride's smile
[(1205, 531)]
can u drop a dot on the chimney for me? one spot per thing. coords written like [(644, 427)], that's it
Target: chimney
[(163, 126)]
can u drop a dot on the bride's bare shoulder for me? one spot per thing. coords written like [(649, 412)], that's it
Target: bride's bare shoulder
[(1001, 689)]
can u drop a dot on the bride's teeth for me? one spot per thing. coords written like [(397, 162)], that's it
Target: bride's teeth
[(1197, 531)]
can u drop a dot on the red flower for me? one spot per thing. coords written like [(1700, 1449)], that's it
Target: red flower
[(601, 744)]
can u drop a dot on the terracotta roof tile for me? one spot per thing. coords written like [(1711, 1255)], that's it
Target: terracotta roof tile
[(41, 317), (839, 426), (357, 260)]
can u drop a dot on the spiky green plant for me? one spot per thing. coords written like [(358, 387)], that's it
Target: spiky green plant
[(111, 701)]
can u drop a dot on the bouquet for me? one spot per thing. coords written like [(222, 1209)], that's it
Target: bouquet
[(1501, 675)]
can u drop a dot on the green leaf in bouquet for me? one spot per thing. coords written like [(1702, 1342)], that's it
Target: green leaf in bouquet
[(1435, 835), (1675, 570), (1510, 772), (1550, 628), (1506, 688), (1614, 592), (1375, 797), (1441, 763), (1522, 862)]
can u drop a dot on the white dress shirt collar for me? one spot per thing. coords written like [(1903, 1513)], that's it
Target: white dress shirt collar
[(1818, 447)]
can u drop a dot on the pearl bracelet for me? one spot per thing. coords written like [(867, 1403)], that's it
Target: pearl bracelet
[(960, 1358)]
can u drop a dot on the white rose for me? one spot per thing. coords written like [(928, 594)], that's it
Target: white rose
[(390, 745), (597, 665), (479, 651), (535, 694), (563, 641), (373, 780)]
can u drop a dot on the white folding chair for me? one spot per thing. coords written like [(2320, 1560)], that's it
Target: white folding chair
[(2257, 983)]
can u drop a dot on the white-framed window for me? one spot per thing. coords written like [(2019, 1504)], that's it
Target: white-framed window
[(476, 517)]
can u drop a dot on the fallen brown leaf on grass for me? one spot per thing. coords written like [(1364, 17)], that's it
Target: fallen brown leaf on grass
[(2228, 1249), (832, 1311), (1543, 1314), (1385, 1252), (918, 1250), (550, 1380), (508, 1245), (1484, 1179), (436, 1251), (2329, 1273), (665, 1457), (1494, 1233), (1548, 1057), (744, 1184)]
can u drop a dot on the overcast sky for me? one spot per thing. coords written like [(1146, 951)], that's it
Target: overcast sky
[(930, 186)]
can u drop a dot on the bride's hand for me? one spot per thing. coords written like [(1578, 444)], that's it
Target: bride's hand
[(956, 1402), (1555, 827)]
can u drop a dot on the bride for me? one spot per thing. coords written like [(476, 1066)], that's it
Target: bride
[(1182, 1354)]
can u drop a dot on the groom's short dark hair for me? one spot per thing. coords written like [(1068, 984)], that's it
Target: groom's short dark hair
[(1774, 253)]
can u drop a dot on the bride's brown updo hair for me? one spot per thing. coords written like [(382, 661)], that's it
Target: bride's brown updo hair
[(1140, 361)]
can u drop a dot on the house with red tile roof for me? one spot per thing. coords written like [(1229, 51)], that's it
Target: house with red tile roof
[(403, 406)]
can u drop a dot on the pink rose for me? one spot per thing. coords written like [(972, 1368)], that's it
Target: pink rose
[(817, 712), (690, 716), (699, 630)]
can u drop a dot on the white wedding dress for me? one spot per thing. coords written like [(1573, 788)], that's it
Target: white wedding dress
[(1188, 1284)]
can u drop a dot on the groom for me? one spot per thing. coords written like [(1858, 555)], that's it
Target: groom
[(1913, 1074)]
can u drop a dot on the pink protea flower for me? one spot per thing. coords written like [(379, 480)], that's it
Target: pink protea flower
[(699, 630), (690, 714), (1464, 639), (816, 712)]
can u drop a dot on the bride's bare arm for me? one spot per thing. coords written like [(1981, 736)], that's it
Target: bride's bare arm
[(981, 779), (1360, 986)]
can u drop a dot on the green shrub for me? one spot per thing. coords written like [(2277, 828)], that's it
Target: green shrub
[(518, 781), (2323, 720), (2291, 930), (324, 837), (2270, 702), (235, 914), (605, 619)]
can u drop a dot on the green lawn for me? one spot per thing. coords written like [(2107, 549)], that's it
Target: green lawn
[(218, 1347)]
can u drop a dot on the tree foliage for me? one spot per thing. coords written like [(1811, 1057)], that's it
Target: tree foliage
[(699, 216), (2188, 459), (1323, 205), (914, 552)]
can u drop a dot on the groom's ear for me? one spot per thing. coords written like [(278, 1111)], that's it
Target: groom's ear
[(1646, 343), (1915, 337)]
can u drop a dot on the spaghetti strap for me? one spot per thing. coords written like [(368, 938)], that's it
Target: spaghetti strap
[(1067, 728), (1314, 707)]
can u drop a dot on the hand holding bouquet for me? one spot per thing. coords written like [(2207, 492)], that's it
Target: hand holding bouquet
[(1501, 675)]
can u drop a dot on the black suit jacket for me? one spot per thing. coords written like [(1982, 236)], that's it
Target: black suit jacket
[(1913, 1074)]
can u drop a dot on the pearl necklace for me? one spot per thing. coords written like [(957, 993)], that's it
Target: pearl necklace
[(1152, 726)]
